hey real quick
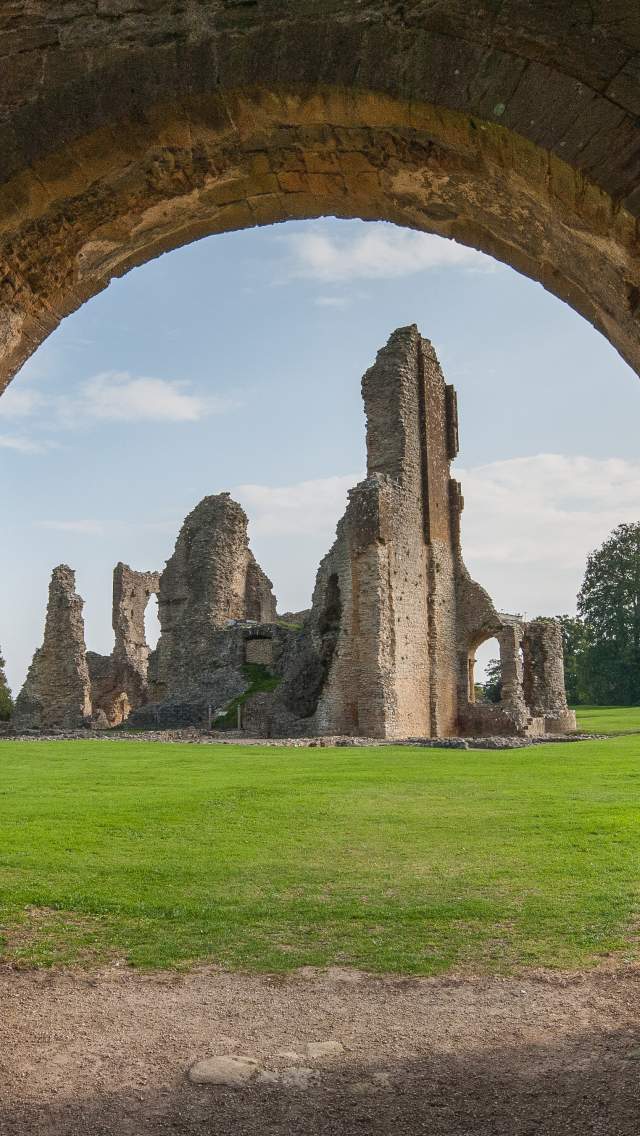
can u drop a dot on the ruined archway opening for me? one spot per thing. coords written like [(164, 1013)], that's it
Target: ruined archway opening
[(485, 671)]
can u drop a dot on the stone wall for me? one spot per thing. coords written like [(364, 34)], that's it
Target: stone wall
[(57, 690), (394, 659)]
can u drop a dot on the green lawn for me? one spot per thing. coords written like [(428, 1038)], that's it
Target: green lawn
[(389, 859), (608, 719)]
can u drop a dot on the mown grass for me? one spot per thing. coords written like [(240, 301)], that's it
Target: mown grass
[(389, 859), (608, 719)]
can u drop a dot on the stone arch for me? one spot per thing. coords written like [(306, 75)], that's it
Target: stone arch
[(128, 129)]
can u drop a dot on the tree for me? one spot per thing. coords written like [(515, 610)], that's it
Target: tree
[(609, 604), (6, 701), (492, 686), (575, 638)]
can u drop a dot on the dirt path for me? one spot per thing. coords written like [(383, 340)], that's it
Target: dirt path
[(107, 1054)]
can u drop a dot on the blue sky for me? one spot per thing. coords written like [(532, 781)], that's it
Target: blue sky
[(235, 363)]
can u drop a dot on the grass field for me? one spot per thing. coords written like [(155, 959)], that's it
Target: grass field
[(389, 859), (608, 719)]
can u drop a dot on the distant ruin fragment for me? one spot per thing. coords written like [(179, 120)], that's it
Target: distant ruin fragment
[(57, 690), (387, 649)]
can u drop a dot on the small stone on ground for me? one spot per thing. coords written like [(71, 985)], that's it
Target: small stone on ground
[(230, 1070)]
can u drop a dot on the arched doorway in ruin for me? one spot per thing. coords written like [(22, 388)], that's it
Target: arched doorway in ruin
[(127, 132)]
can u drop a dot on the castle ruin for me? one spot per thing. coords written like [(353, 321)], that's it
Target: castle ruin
[(387, 649)]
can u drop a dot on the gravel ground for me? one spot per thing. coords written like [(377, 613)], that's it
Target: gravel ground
[(110, 1053)]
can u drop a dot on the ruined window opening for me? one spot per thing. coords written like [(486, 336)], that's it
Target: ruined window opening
[(151, 622), (484, 671)]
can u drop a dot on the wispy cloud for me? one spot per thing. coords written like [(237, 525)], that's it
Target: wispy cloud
[(112, 396), (529, 523), (332, 301), (23, 445), (376, 252), (122, 397), (19, 402), (305, 508), (81, 528), (527, 527)]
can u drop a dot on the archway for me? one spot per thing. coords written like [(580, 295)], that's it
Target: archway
[(125, 134), (484, 669)]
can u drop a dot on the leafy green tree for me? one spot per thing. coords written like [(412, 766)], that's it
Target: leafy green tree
[(492, 686), (609, 604), (6, 701), (575, 639)]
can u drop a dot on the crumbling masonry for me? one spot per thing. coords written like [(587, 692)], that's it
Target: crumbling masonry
[(387, 649), (57, 689)]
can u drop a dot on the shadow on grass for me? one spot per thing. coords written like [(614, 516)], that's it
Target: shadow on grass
[(586, 1087)]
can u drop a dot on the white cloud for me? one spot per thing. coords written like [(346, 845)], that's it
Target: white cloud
[(308, 508), (81, 528), (119, 396), (22, 445), (527, 527), (530, 523), (376, 252), (16, 402), (115, 396)]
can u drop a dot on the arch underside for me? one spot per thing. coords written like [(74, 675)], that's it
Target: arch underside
[(143, 129)]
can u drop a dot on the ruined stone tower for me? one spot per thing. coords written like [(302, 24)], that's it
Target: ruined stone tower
[(389, 645), (394, 671), (57, 690)]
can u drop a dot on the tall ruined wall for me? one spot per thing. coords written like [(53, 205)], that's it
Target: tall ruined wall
[(131, 594), (393, 670), (57, 691), (211, 578), (119, 681), (394, 656)]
